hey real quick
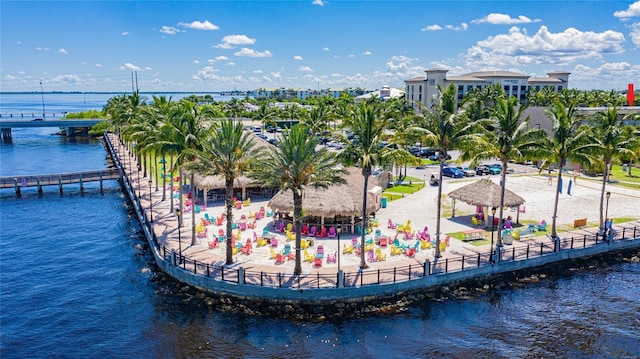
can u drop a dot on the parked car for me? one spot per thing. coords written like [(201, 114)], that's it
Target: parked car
[(482, 170), (452, 172), (436, 157), (495, 168), (270, 129), (263, 136), (467, 171), (427, 152), (273, 141)]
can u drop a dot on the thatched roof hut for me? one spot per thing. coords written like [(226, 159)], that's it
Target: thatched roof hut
[(485, 193), (338, 200)]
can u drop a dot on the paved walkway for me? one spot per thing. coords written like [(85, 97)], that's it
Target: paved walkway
[(418, 207)]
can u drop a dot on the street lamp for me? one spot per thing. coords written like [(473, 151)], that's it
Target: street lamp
[(493, 214), (179, 214), (150, 200), (606, 213)]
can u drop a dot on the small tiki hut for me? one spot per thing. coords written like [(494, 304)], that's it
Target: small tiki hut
[(485, 194), (246, 185), (340, 204)]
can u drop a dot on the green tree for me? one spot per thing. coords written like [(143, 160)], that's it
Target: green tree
[(227, 151), (368, 126), (570, 141), (444, 127), (613, 144), (507, 136), (295, 165)]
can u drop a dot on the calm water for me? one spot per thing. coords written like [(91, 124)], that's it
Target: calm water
[(77, 281)]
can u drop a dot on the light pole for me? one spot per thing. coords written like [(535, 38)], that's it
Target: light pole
[(606, 214), (493, 214), (339, 230), (179, 214), (150, 200)]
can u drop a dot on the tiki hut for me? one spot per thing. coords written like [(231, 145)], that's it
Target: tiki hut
[(217, 183), (339, 204), (485, 194)]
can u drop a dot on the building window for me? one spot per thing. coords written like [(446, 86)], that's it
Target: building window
[(537, 87), (432, 82), (420, 97), (420, 88), (523, 88), (460, 88), (559, 88), (469, 88), (506, 89), (514, 88), (460, 96)]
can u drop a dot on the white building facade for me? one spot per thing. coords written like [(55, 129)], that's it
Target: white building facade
[(425, 89)]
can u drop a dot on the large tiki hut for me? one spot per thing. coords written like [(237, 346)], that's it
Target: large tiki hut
[(340, 204), (485, 194)]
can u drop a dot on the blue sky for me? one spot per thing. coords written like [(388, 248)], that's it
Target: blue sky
[(222, 45)]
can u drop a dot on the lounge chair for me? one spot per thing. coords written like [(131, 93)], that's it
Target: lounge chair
[(332, 232), (317, 262), (331, 258), (312, 231)]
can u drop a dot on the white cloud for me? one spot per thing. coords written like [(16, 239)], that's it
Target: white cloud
[(276, 74), (607, 75), (518, 48), (305, 69), (325, 49), (435, 27), (257, 71), (318, 2), (632, 11), (206, 73), (98, 65), (298, 57), (221, 58), (366, 53), (196, 62), (245, 52), (197, 25), (230, 41), (635, 33), (63, 51), (129, 67), (39, 48), (169, 30), (351, 56), (67, 78), (504, 19), (125, 33), (231, 63)]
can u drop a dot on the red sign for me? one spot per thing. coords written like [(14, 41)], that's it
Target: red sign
[(630, 95)]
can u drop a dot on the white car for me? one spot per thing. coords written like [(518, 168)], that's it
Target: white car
[(467, 171)]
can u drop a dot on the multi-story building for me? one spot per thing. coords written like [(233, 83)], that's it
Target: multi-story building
[(425, 89)]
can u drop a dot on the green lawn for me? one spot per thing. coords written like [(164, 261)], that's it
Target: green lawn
[(633, 181)]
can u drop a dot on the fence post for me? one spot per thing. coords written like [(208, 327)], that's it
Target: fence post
[(318, 274), (221, 271), (378, 276), (241, 275), (425, 269), (462, 262), (623, 230), (584, 241), (571, 242), (261, 282), (478, 260), (409, 271), (541, 248), (527, 251), (208, 270), (446, 265), (195, 266), (513, 255), (394, 274)]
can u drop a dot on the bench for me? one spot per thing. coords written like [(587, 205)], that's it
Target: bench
[(526, 232), (581, 222)]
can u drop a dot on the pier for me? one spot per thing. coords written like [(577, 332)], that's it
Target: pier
[(254, 276), (69, 126), (60, 179)]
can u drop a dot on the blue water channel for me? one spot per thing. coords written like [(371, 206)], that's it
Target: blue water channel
[(77, 281)]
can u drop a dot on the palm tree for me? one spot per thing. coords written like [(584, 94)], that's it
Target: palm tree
[(225, 151), (613, 144), (295, 165), (185, 130), (444, 128), (570, 141), (368, 127), (266, 115), (507, 136), (233, 108)]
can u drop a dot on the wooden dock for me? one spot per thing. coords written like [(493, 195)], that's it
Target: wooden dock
[(59, 179)]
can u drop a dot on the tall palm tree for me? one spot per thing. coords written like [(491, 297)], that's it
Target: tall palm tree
[(367, 125), (266, 115), (507, 137), (225, 151), (613, 144), (295, 165), (233, 108), (571, 141), (444, 127), (185, 130)]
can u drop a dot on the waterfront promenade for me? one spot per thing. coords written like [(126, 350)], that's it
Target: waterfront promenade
[(203, 266)]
